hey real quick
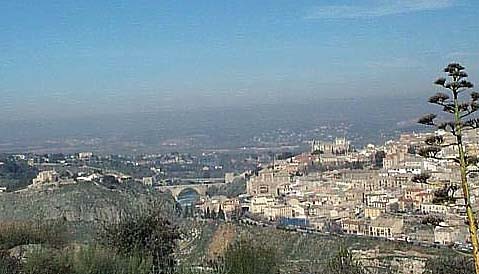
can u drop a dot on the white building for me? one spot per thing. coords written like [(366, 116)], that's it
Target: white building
[(85, 155), (148, 181), (445, 235), (434, 209)]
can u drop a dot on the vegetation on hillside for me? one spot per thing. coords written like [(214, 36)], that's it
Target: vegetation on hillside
[(82, 205), (458, 264), (15, 175), (144, 232), (130, 244), (51, 232), (247, 256), (233, 189)]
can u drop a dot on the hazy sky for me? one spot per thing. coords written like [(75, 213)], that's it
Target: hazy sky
[(72, 58)]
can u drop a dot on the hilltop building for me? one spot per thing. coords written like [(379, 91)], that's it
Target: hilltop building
[(85, 155), (46, 177), (340, 146)]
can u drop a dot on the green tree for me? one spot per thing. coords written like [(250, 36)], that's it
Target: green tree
[(458, 105), (246, 257), (221, 214), (144, 232), (15, 174), (432, 220), (378, 159), (212, 191)]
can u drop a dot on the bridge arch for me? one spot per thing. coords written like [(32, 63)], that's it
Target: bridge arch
[(176, 190), (188, 196)]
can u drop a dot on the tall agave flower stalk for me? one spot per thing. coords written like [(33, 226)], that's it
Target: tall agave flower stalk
[(459, 105)]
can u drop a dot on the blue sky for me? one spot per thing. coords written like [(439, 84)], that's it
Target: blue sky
[(73, 58)]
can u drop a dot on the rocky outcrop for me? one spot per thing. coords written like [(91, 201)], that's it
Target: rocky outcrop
[(84, 204)]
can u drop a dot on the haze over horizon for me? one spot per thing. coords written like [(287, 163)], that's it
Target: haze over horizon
[(76, 59), (370, 120)]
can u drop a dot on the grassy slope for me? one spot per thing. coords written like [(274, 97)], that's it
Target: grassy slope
[(301, 249)]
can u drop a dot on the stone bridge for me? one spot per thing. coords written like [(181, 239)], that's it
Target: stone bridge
[(176, 190)]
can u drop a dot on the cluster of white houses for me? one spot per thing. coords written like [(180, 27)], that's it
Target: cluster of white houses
[(382, 202)]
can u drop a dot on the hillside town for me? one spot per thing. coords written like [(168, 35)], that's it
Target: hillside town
[(368, 192), (333, 188)]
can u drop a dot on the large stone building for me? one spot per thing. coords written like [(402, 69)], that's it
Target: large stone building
[(268, 182), (353, 226), (386, 227), (340, 146), (258, 204), (46, 177)]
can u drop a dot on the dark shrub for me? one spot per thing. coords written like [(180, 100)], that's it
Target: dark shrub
[(50, 232), (246, 257), (8, 264), (45, 261), (144, 232)]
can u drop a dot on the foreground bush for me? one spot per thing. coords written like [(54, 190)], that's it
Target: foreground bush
[(247, 257), (51, 232), (95, 260), (43, 261), (87, 260), (9, 264), (144, 232), (450, 265)]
